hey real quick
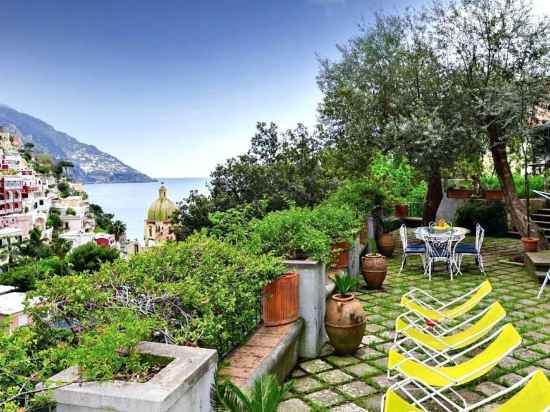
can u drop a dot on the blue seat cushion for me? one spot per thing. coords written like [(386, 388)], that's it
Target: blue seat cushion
[(416, 248), (466, 248)]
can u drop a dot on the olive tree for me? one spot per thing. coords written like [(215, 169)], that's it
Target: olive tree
[(498, 52), (389, 92)]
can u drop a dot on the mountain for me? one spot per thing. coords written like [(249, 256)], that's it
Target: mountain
[(91, 164)]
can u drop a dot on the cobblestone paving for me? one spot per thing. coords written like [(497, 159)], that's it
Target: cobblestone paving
[(356, 383)]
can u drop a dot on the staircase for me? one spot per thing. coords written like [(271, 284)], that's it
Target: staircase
[(542, 218)]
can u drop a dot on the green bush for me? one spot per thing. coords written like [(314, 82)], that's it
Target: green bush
[(89, 257), (339, 223), (490, 215), (290, 235), (361, 196), (493, 183)]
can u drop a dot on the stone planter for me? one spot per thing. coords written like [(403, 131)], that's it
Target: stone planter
[(312, 291), (280, 300), (345, 323), (374, 269), (183, 384), (459, 193)]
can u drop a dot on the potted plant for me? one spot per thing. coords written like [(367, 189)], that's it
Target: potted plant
[(374, 268), (401, 210), (281, 300), (490, 194), (459, 189), (345, 318), (386, 243)]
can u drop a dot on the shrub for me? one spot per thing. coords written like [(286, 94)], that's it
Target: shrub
[(490, 215), (359, 195), (291, 235), (339, 223), (89, 257)]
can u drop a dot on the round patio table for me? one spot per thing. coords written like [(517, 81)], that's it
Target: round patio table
[(457, 232)]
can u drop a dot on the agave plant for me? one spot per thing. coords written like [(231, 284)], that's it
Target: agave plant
[(264, 397), (345, 284)]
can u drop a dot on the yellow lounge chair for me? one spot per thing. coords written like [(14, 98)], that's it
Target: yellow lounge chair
[(533, 397), (504, 341), (456, 338), (416, 301)]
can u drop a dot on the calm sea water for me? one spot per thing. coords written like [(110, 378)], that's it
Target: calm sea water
[(129, 201)]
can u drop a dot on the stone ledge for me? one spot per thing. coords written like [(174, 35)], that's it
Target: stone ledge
[(179, 383), (270, 350)]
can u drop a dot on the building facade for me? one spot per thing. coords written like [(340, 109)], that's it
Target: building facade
[(158, 225)]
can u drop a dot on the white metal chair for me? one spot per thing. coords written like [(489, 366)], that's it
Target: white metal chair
[(410, 250), (546, 280), (468, 249), (440, 249)]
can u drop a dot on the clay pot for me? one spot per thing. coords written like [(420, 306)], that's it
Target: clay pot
[(341, 255), (459, 193), (374, 269), (280, 300), (386, 244), (401, 211), (345, 322), (493, 195), (530, 244)]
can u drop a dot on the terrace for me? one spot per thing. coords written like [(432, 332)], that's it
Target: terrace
[(357, 383)]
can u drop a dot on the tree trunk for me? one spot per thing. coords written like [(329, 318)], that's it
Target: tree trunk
[(516, 208), (433, 197)]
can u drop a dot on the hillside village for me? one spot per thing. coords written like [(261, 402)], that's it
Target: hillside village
[(36, 201)]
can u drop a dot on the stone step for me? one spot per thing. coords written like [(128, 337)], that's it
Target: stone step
[(540, 218), (536, 262), (545, 211), (542, 224)]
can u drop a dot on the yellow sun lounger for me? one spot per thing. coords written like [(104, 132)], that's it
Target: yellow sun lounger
[(504, 341), (415, 301), (533, 397), (457, 337)]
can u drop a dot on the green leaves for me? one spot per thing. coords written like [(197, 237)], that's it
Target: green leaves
[(264, 397), (345, 284)]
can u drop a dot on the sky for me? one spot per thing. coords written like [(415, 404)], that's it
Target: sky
[(174, 87)]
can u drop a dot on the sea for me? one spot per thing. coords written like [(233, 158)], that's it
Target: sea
[(129, 201)]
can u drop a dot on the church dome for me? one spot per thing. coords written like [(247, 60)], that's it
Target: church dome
[(161, 209)]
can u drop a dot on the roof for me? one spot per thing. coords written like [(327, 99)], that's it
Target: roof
[(11, 303), (161, 209)]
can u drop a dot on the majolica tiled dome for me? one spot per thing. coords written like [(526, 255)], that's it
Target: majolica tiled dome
[(161, 209)]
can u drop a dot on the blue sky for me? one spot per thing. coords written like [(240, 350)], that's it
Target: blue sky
[(172, 87)]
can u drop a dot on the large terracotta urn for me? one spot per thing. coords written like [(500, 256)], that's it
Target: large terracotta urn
[(341, 255), (280, 300), (374, 269), (386, 244), (345, 322)]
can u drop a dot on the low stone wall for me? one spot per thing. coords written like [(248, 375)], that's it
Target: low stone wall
[(270, 350), (182, 385)]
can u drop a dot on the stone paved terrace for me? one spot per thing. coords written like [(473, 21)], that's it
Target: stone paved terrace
[(356, 383)]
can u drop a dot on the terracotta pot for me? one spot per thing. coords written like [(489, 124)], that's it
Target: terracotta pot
[(530, 244), (280, 300), (386, 244), (345, 322), (341, 255), (374, 269), (401, 211), (493, 194), (459, 193)]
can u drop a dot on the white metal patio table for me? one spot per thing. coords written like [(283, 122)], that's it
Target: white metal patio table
[(438, 239)]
